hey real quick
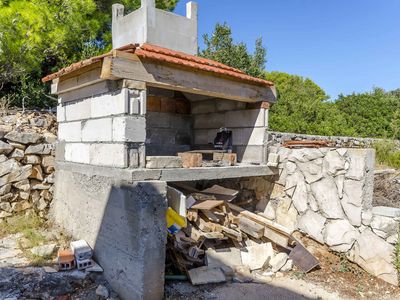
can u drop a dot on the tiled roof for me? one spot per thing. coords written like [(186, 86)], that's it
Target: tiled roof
[(159, 54)]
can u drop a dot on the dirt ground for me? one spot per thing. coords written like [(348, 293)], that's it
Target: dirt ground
[(337, 278), (387, 189)]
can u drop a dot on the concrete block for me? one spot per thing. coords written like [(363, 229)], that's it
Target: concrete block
[(256, 256), (110, 104), (78, 110), (215, 120), (223, 257), (60, 113), (97, 130), (162, 162), (203, 107), (250, 154), (129, 129), (60, 151), (249, 136), (70, 131), (245, 118), (77, 152), (111, 155), (225, 105)]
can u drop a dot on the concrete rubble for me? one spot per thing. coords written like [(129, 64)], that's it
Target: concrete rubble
[(27, 148)]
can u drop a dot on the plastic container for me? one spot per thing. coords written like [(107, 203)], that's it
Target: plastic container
[(174, 221)]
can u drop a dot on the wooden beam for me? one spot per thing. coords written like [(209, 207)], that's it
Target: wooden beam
[(185, 80)]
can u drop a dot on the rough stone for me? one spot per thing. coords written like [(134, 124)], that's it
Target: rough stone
[(326, 195), (269, 211), (5, 189), (300, 196), (39, 149), (393, 239), (5, 148), (293, 179), (24, 137), (22, 185), (37, 173), (21, 206), (391, 212), (3, 158), (384, 226), (312, 224), (312, 171), (286, 213), (290, 167), (37, 185), (5, 206), (288, 266), (278, 261), (333, 162), (102, 291), (257, 255), (18, 154), (32, 159), (376, 260), (339, 180), (340, 235), (357, 166), (20, 174), (8, 166), (305, 154), (44, 250), (366, 217)]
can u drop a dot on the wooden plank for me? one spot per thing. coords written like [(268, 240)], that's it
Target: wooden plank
[(210, 216), (153, 103), (250, 227), (186, 80), (167, 105), (182, 106), (233, 234), (208, 204), (191, 160)]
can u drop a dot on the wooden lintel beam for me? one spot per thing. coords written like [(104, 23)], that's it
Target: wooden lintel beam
[(185, 80)]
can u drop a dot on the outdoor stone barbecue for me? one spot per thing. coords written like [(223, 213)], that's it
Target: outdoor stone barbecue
[(120, 113)]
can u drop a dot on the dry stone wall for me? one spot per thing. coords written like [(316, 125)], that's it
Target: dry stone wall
[(27, 145), (327, 194)]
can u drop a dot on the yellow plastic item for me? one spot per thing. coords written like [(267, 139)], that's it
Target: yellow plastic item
[(174, 221)]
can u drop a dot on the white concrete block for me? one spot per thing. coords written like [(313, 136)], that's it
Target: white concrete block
[(70, 131), (108, 104), (249, 136), (111, 155), (215, 120), (60, 113), (225, 105), (245, 118), (203, 107), (98, 130), (78, 110), (129, 129), (77, 152)]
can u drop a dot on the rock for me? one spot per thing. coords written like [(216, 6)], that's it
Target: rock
[(37, 185), (37, 173), (4, 214), (44, 251), (300, 197), (41, 204), (32, 159), (290, 167), (242, 274), (393, 239), (357, 166), (352, 201), (8, 166), (340, 235), (384, 226), (376, 259), (17, 145), (102, 291), (5, 148), (312, 224), (3, 158), (4, 129), (269, 211), (20, 174), (288, 266), (24, 195), (312, 171), (5, 189), (304, 154), (342, 151), (273, 159), (22, 185), (257, 255), (339, 180), (278, 261), (21, 206), (18, 154), (50, 179), (4, 180), (311, 200), (49, 138), (48, 161), (333, 162), (23, 137), (46, 194), (38, 122), (6, 197), (366, 217), (326, 195), (6, 206), (35, 196), (286, 213), (39, 149), (293, 179)]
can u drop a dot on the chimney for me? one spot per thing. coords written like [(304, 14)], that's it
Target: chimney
[(149, 24)]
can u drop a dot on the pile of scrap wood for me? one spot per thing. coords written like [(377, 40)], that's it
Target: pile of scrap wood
[(220, 241)]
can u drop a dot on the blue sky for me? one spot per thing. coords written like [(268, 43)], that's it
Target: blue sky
[(345, 46)]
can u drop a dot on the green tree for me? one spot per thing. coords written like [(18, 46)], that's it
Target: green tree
[(221, 47), (40, 36)]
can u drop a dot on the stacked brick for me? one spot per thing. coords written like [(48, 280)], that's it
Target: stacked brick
[(27, 146)]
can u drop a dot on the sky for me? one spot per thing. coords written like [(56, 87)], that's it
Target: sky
[(344, 46)]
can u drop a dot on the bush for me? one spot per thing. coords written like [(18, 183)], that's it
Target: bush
[(388, 153)]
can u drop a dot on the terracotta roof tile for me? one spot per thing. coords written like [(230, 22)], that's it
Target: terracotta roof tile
[(160, 54)]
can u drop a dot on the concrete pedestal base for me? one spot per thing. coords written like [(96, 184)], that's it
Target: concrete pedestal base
[(123, 221)]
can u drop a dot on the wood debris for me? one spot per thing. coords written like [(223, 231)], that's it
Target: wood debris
[(220, 234)]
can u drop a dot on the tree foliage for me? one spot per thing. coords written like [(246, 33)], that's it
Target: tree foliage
[(41, 36), (221, 47)]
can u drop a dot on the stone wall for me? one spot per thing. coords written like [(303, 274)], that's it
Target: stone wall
[(275, 137), (327, 194), (27, 144)]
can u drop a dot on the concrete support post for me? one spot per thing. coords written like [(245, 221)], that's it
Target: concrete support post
[(191, 10)]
